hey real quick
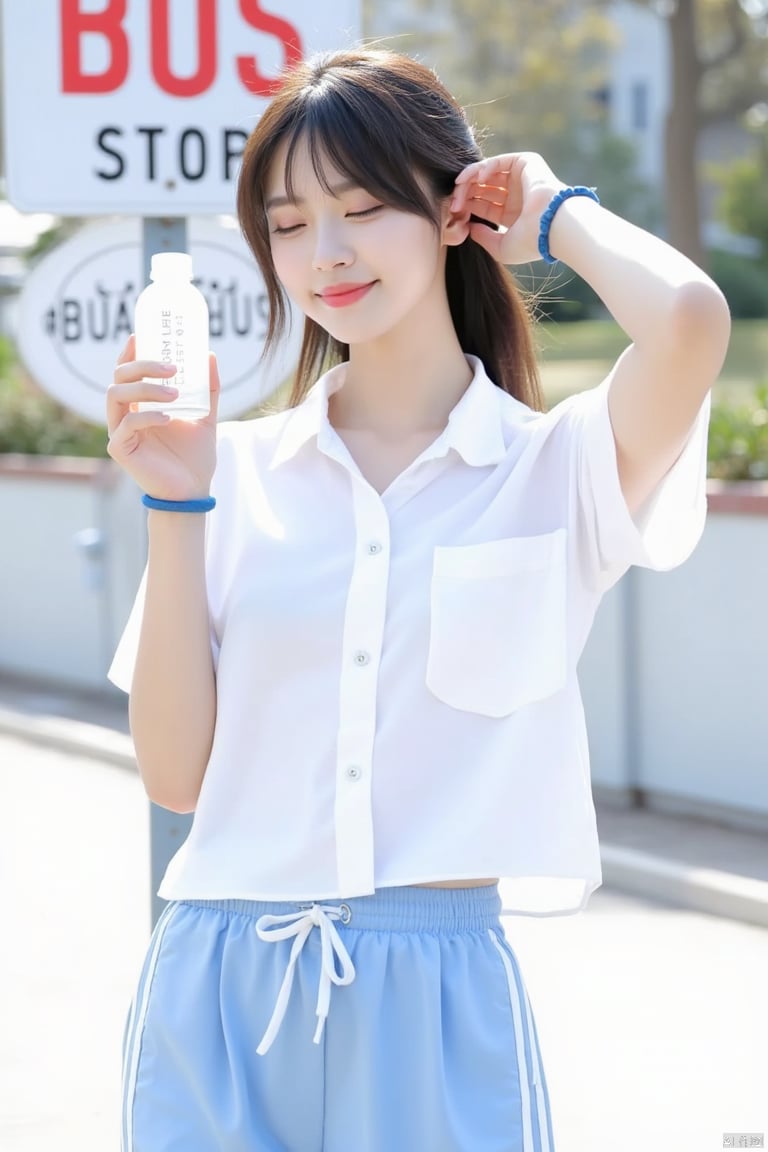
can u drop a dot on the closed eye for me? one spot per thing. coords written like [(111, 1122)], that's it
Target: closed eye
[(287, 231), (291, 228), (367, 211)]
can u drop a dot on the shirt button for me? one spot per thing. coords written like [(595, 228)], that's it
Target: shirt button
[(361, 658), (374, 548), (353, 772)]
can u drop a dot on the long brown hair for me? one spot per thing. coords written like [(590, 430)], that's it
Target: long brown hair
[(387, 123)]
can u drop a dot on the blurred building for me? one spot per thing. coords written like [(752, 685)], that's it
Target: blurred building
[(638, 86)]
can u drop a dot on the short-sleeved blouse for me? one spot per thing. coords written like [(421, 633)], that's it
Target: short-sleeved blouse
[(396, 674)]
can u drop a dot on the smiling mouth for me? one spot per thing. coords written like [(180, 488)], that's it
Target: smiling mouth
[(342, 295)]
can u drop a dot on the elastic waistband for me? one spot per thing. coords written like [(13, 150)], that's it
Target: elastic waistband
[(402, 909)]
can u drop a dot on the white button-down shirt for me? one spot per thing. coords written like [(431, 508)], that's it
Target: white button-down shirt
[(397, 693)]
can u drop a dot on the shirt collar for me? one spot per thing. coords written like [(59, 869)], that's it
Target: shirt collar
[(309, 418), (475, 425)]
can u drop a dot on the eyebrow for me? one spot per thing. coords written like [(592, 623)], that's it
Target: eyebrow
[(335, 189)]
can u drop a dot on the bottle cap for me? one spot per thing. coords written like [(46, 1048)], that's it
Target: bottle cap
[(175, 264)]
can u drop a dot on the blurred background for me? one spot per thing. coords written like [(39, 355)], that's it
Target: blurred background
[(653, 1034)]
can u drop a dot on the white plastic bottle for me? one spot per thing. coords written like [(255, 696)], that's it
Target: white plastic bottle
[(171, 324)]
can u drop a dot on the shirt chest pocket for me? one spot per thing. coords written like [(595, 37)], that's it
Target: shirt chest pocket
[(497, 626)]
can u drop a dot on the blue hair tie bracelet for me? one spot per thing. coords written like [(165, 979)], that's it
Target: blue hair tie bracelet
[(204, 504), (548, 216)]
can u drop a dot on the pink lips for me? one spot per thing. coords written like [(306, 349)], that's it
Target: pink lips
[(342, 295)]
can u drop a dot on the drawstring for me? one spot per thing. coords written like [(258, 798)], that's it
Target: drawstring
[(300, 925)]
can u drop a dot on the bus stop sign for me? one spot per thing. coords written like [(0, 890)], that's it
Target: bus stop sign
[(143, 106)]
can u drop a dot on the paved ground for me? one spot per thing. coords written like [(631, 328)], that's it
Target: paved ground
[(74, 868), (653, 1020)]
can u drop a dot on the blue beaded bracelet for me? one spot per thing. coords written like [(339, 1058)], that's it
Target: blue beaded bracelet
[(548, 216), (205, 504)]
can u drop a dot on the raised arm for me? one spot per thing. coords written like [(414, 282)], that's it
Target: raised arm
[(173, 692), (675, 316)]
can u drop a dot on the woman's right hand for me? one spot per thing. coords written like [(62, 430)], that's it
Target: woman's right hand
[(169, 459)]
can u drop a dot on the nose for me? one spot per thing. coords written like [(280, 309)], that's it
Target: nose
[(332, 250)]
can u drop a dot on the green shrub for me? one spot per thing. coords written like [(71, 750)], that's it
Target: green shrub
[(33, 423), (7, 359), (744, 283), (744, 199), (738, 439)]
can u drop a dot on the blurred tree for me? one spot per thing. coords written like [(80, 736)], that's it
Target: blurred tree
[(744, 203), (718, 60), (531, 74), (613, 169), (61, 230)]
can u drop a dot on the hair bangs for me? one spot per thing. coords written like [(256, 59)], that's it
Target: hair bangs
[(337, 136)]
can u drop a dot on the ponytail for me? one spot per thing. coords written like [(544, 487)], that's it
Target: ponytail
[(492, 321)]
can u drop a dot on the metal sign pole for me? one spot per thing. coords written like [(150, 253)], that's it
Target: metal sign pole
[(168, 830)]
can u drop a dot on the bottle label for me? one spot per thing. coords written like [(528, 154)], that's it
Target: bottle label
[(172, 336), (166, 353), (172, 326)]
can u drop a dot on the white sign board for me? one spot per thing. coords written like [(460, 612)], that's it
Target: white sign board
[(143, 106), (76, 313)]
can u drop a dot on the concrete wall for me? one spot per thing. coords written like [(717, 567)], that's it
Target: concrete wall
[(701, 669), (53, 605), (673, 675)]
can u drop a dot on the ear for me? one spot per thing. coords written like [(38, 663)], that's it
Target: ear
[(455, 225)]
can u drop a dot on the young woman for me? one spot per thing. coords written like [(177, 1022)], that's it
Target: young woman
[(360, 669)]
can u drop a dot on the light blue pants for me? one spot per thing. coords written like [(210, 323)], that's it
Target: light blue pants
[(424, 1039)]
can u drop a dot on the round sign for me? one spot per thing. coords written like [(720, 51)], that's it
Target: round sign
[(76, 313)]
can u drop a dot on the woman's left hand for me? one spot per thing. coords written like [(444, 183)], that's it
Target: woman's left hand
[(511, 191)]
